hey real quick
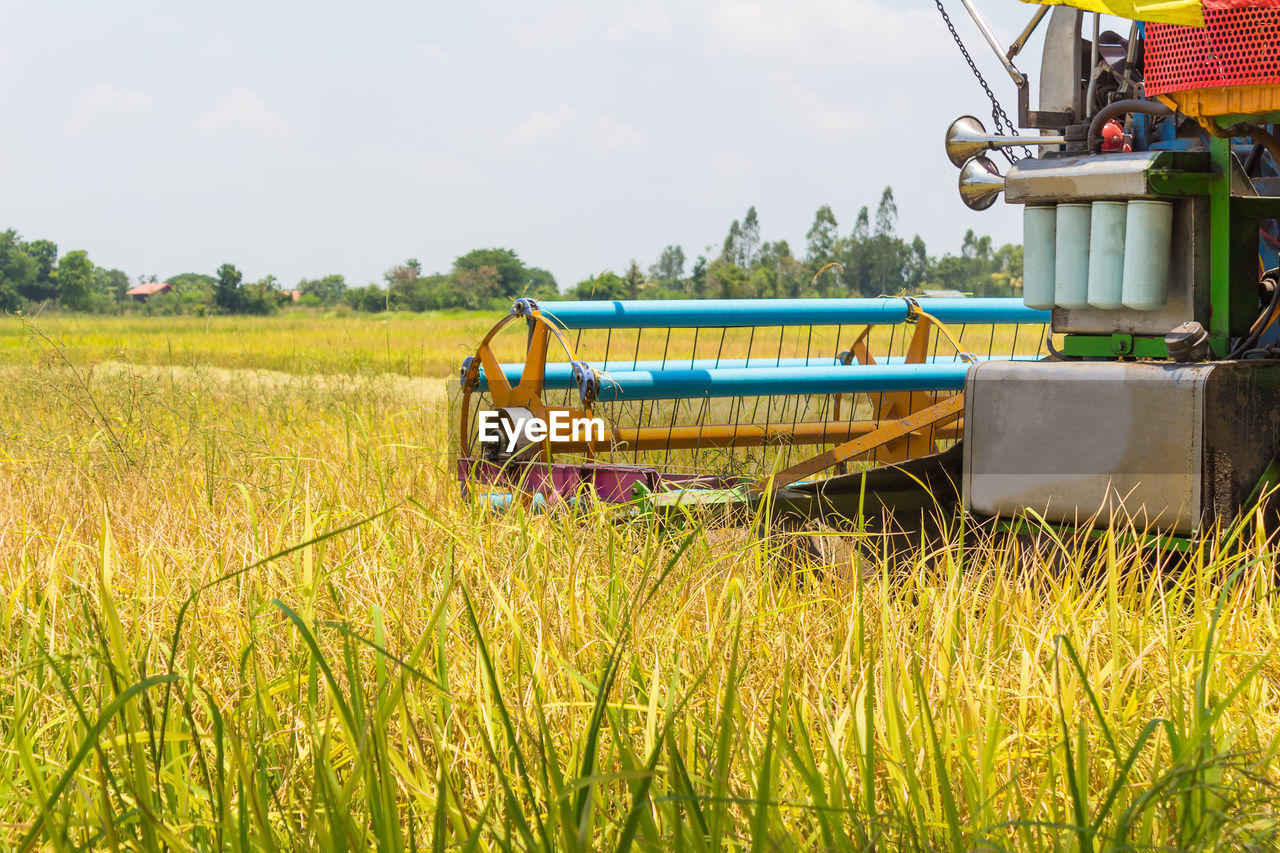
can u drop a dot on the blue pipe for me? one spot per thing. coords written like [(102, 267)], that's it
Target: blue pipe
[(558, 376), (735, 313), (696, 384)]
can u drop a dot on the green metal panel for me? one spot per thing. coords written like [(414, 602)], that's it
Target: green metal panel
[(1251, 209), (1220, 248), (1175, 182), (1113, 346), (1230, 122)]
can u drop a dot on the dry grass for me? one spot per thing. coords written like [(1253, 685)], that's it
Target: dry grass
[(252, 611), (298, 342)]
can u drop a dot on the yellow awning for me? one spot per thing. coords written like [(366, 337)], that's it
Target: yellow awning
[(1186, 12)]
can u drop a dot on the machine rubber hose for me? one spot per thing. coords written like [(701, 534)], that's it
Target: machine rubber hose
[(1266, 139), (1110, 111), (1260, 325)]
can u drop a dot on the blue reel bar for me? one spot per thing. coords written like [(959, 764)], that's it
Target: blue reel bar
[(739, 313), (684, 384), (558, 376)]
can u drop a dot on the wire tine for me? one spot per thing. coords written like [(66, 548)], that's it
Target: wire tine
[(703, 412), (675, 410), (635, 358), (768, 416), (635, 450), (808, 399)]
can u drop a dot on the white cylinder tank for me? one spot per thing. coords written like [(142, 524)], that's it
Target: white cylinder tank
[(1106, 254), (1148, 244), (1039, 232), (1071, 267)]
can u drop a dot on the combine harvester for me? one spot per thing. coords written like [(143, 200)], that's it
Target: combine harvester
[(1150, 215)]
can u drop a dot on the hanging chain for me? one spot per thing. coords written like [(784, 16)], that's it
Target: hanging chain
[(1004, 125)]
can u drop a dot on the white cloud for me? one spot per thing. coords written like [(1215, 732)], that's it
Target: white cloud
[(828, 122), (435, 53), (104, 103), (217, 47), (861, 32), (608, 134), (444, 170), (646, 18), (538, 128), (732, 165), (242, 111)]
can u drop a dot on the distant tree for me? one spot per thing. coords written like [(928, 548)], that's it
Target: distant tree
[(977, 269), (822, 237), (17, 271), (888, 253), (44, 285), (727, 280), (480, 285), (750, 239), (45, 254), (190, 283), (74, 277), (541, 284), (698, 277), (916, 268), (856, 254), (227, 294), (512, 274), (862, 226), (669, 268), (405, 288), (10, 299), (731, 253), (109, 285), (440, 291), (370, 298), (608, 286), (887, 215), (264, 296), (327, 290), (784, 275), (634, 279), (1008, 259), (976, 248)]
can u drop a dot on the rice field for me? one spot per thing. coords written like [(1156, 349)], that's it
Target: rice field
[(244, 606)]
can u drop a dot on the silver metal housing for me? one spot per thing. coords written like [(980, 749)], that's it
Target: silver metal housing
[(1169, 446)]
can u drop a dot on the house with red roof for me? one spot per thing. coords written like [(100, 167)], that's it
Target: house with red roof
[(143, 292)]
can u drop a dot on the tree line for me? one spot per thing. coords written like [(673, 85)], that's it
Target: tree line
[(869, 259)]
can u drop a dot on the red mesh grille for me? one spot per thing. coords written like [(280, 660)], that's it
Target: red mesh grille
[(1239, 46)]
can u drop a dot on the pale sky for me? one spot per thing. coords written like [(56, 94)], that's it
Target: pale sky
[(302, 139)]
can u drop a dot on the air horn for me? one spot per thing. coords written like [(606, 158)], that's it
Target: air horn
[(967, 138), (980, 183)]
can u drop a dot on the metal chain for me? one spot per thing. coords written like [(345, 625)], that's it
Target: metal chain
[(1004, 126)]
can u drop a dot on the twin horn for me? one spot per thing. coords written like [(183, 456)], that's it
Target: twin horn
[(967, 138), (980, 183)]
